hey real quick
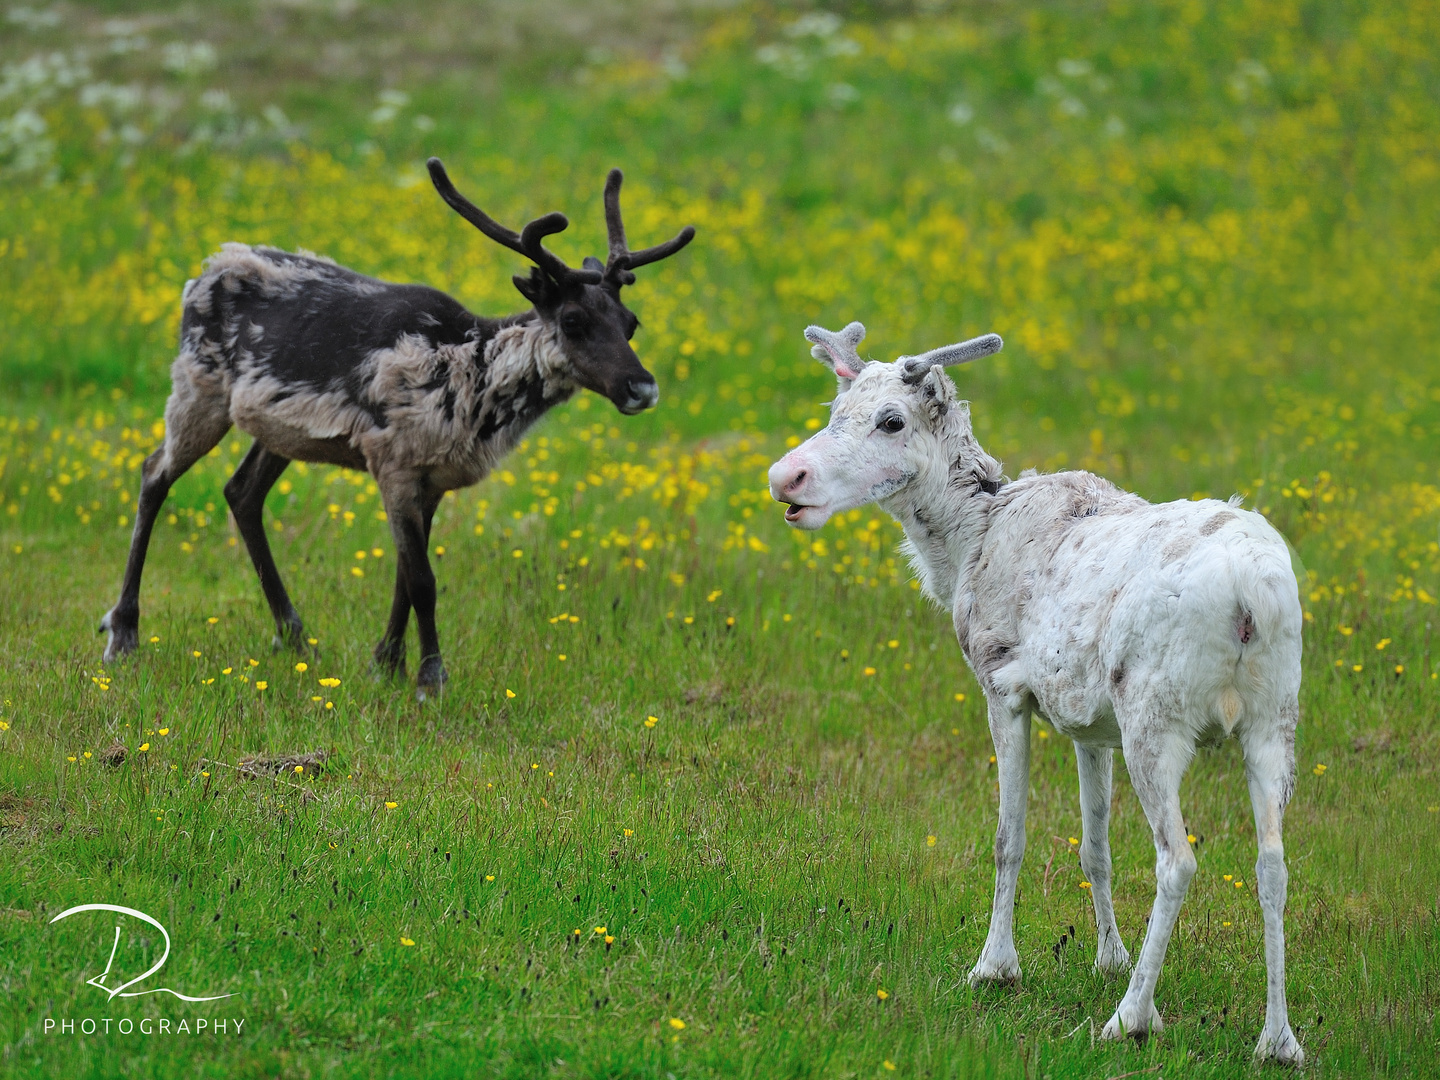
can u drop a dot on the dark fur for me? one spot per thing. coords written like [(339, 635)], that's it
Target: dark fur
[(320, 363)]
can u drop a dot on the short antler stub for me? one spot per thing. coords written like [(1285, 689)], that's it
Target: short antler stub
[(838, 350)]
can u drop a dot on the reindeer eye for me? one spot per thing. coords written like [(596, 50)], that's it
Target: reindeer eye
[(892, 423), (574, 323)]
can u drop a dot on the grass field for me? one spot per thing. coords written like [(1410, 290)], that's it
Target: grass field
[(705, 797)]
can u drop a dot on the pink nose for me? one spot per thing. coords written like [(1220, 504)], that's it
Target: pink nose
[(788, 479)]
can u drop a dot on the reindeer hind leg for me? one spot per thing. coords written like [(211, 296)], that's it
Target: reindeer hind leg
[(1270, 770), (1157, 754), (197, 416), (245, 492)]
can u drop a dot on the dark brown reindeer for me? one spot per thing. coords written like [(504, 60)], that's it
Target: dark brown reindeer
[(322, 364)]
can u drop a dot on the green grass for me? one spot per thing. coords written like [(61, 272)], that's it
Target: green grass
[(1231, 288)]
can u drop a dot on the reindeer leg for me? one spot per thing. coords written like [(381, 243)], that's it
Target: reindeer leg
[(410, 506), (245, 492), (1010, 732), (1157, 759), (1095, 767), (197, 415), (390, 652), (122, 621), (1270, 769)]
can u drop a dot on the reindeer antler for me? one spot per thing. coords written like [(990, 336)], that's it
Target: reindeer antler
[(527, 242), (838, 349), (913, 368), (622, 260)]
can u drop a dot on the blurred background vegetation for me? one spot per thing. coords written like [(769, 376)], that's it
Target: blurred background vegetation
[(1206, 231)]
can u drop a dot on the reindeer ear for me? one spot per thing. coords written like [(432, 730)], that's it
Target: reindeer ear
[(537, 288), (844, 368), (937, 392)]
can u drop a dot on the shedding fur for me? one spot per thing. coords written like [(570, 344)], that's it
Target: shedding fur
[(1152, 628), (320, 363)]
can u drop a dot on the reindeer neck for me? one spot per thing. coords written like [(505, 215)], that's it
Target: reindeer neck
[(524, 374), (945, 511)]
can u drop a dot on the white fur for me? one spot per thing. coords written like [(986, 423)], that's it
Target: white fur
[(1119, 621)]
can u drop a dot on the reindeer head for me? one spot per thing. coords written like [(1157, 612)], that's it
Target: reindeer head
[(886, 428), (593, 324)]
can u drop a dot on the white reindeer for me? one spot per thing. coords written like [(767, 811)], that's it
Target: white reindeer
[(1122, 623)]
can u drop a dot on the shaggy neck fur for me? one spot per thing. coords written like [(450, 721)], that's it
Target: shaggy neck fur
[(524, 373), (945, 510)]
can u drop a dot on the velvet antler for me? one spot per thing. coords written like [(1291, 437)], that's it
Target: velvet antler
[(837, 350), (622, 259), (914, 368), (527, 242)]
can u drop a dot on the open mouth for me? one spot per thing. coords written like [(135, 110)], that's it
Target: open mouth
[(794, 510)]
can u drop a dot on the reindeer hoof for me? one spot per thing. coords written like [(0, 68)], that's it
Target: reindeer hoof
[(432, 679), (1283, 1048), (1125, 1023), (123, 640), (389, 660), (1112, 961), (291, 636), (999, 970)]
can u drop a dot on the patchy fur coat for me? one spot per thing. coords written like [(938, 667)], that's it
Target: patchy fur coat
[(450, 394)]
